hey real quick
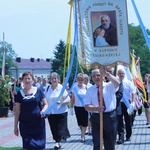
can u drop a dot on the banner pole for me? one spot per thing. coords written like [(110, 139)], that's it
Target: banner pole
[(101, 114)]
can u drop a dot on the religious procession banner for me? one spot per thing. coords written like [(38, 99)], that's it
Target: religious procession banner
[(102, 32)]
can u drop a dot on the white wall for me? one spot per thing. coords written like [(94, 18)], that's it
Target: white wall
[(37, 73)]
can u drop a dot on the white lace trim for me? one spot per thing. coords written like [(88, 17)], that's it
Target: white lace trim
[(28, 96)]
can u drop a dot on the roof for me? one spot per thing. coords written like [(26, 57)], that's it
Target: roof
[(33, 63)]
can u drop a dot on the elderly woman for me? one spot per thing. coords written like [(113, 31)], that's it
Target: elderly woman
[(29, 114), (58, 115), (77, 100)]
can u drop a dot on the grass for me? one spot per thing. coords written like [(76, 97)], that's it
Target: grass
[(10, 148)]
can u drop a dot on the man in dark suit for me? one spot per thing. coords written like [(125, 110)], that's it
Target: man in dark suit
[(120, 129)]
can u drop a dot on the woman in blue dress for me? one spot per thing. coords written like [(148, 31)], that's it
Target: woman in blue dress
[(29, 115)]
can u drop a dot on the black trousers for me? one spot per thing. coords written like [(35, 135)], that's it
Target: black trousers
[(58, 124), (109, 130), (120, 127), (127, 120)]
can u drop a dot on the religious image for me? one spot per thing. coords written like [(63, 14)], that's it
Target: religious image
[(104, 28)]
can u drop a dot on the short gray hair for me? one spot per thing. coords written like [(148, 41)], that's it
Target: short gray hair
[(55, 74)]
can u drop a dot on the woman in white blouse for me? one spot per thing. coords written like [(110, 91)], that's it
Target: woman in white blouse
[(58, 115), (77, 100)]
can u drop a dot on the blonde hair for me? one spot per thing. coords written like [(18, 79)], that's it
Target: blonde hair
[(86, 77)]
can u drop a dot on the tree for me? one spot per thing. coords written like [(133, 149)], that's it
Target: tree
[(58, 62), (9, 57), (138, 43)]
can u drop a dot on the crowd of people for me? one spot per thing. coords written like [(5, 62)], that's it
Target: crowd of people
[(31, 97)]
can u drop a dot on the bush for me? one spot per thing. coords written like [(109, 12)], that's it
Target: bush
[(4, 92)]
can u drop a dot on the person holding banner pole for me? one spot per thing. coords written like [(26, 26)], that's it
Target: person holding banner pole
[(78, 94), (92, 104), (126, 104), (57, 117)]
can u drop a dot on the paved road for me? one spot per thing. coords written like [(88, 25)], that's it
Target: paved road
[(140, 139)]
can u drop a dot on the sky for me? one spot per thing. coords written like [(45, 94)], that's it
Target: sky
[(35, 27)]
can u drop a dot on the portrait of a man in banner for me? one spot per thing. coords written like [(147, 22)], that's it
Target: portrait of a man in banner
[(104, 28)]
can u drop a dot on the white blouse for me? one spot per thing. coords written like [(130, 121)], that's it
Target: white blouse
[(51, 95)]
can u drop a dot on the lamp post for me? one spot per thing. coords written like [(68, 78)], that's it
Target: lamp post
[(3, 46)]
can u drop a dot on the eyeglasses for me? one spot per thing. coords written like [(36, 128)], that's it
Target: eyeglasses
[(96, 76), (80, 79)]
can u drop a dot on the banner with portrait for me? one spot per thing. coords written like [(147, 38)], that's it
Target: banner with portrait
[(102, 32)]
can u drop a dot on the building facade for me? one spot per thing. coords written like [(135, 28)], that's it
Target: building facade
[(39, 67)]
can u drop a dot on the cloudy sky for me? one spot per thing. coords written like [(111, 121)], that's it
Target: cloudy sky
[(34, 27)]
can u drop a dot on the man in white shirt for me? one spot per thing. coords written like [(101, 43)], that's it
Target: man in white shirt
[(128, 97), (91, 103)]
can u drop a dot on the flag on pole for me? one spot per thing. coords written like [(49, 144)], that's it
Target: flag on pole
[(3, 60), (135, 71)]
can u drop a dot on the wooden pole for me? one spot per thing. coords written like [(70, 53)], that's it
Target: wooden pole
[(101, 114)]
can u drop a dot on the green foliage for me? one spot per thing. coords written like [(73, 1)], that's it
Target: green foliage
[(9, 57), (138, 43), (58, 62), (4, 92)]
